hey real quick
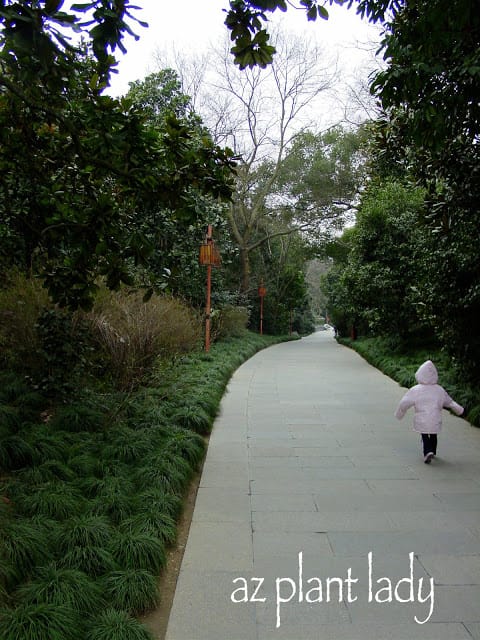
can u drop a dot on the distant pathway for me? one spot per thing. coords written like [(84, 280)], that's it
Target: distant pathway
[(315, 505)]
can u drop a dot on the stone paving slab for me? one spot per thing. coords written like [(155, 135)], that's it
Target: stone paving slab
[(192, 617), (403, 541), (374, 631), (225, 546), (222, 504), (434, 520), (306, 461), (474, 630), (321, 521), (455, 570), (279, 502)]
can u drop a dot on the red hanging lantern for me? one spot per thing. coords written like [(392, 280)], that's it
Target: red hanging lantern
[(209, 255)]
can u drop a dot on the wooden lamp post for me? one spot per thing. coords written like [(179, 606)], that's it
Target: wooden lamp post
[(210, 257)]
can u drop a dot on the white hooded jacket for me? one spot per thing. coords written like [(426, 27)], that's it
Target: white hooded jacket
[(428, 398)]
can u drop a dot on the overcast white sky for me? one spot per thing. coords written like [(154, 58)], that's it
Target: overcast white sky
[(191, 25)]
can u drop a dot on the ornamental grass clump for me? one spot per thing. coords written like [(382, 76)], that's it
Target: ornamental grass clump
[(160, 500), (46, 445), (62, 587), (85, 530), (18, 403), (41, 622), (15, 453), (49, 471), (129, 445), (117, 625), (10, 421), (186, 445), (12, 386), (94, 561), (24, 546), (78, 417), (29, 405), (137, 550), (194, 418), (204, 398), (131, 590), (131, 333), (152, 521), (57, 500), (160, 472), (84, 464), (112, 496)]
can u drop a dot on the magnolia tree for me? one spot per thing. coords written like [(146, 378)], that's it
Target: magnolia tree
[(78, 167)]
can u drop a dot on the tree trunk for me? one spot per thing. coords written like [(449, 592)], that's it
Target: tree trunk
[(245, 269)]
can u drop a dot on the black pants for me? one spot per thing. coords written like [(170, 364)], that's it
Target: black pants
[(429, 443)]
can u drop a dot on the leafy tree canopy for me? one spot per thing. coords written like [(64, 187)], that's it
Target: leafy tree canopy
[(176, 232), (77, 166), (376, 278), (246, 20), (433, 53), (40, 28), (39, 32), (321, 176)]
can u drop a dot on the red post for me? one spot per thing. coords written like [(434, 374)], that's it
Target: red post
[(209, 287), (261, 315), (209, 257), (261, 292)]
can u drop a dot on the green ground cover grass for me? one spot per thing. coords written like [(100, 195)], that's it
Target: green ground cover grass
[(90, 494)]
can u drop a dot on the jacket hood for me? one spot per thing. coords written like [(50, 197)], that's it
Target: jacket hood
[(427, 373)]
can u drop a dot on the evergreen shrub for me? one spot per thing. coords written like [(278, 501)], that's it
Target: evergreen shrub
[(230, 322)]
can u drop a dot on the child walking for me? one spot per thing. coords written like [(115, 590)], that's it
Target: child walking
[(428, 398)]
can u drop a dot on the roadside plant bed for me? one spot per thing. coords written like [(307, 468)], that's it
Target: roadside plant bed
[(90, 495), (400, 365)]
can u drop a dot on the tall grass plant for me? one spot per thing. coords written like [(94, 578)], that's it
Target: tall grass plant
[(131, 333)]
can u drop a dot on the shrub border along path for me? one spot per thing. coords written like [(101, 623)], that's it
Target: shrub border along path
[(401, 367)]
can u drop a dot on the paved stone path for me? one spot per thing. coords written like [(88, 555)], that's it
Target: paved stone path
[(313, 499)]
